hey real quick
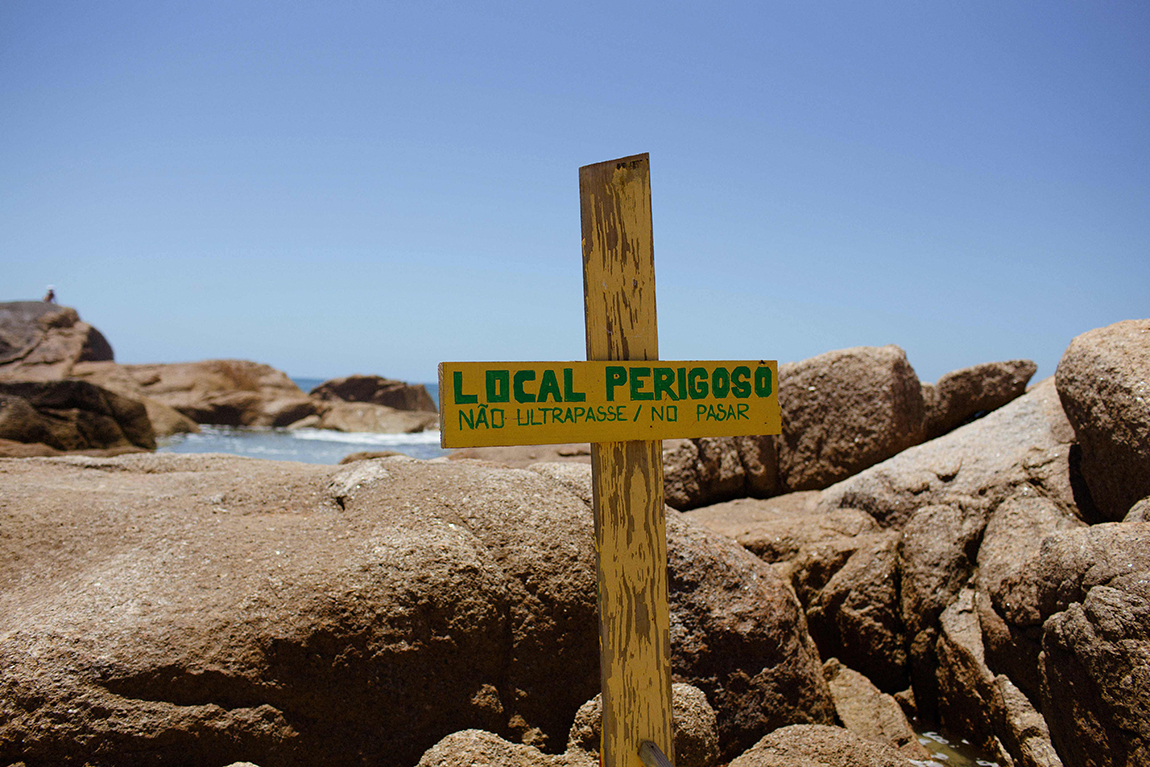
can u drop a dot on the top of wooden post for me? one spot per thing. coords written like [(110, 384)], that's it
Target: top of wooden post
[(618, 260)]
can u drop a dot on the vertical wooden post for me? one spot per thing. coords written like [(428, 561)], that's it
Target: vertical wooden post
[(630, 528)]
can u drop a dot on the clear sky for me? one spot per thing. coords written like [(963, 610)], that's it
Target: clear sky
[(337, 188)]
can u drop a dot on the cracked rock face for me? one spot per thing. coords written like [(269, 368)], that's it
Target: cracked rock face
[(1094, 584), (1026, 442)]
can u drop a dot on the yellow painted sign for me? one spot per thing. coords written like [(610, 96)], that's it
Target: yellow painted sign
[(483, 404)]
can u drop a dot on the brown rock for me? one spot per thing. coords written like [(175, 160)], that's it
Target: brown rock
[(12, 449), (1139, 512), (936, 559), (1104, 384), (165, 420), (978, 706), (962, 394), (367, 455), (1010, 621), (820, 746), (1072, 562), (41, 341), (843, 569), (376, 390), (777, 529), (703, 471), (738, 633), (937, 556), (1010, 546), (867, 711), (1091, 595), (72, 415), (521, 456), (218, 392), (1095, 665), (365, 417), (844, 411), (204, 609), (856, 617), (478, 748)]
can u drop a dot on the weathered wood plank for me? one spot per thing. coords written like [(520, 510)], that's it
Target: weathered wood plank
[(630, 529)]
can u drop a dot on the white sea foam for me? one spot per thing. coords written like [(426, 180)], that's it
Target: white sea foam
[(306, 445), (368, 438)]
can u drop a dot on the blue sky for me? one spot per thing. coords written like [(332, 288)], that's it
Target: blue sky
[(344, 188)]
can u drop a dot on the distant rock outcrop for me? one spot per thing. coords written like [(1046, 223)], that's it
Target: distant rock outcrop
[(378, 391), (365, 417), (41, 341), (72, 415), (217, 392)]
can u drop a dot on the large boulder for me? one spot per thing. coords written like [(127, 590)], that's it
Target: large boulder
[(844, 411), (376, 390), (211, 609), (1026, 442), (963, 394), (218, 392), (1104, 383), (1095, 666), (41, 341), (72, 415)]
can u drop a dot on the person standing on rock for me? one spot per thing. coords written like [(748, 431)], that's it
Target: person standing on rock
[(50, 296)]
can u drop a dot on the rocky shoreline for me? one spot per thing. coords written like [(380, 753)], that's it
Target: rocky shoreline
[(62, 392), (971, 554)]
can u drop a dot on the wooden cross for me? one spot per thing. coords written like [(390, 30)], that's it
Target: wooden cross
[(624, 401)]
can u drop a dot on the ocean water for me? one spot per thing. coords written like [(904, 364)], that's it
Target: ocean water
[(303, 445)]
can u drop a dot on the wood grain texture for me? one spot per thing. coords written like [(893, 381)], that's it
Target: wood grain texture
[(618, 260), (627, 477)]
